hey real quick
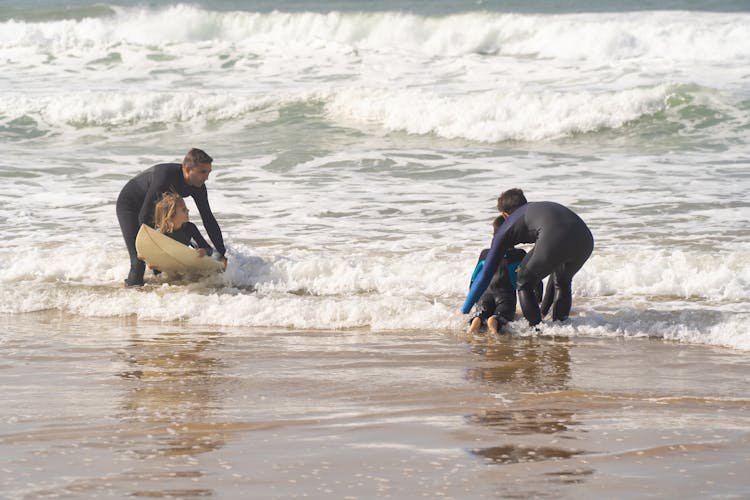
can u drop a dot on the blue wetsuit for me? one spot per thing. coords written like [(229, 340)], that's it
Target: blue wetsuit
[(563, 243), (135, 206), (499, 299)]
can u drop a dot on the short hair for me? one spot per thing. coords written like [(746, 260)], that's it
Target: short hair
[(510, 200), (164, 211), (196, 157), (497, 223)]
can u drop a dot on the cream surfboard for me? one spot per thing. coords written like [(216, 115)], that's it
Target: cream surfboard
[(172, 257)]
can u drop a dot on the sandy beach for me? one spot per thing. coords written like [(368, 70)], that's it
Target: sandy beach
[(359, 150), (122, 408)]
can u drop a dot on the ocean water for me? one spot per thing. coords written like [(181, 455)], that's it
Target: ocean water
[(359, 152)]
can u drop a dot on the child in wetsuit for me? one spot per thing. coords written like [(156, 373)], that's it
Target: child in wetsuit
[(497, 306), (172, 218)]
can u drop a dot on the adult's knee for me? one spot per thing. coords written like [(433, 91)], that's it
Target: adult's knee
[(527, 279), (562, 278)]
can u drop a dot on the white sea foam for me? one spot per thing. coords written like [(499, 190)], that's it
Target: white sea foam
[(638, 294), (480, 76), (485, 116), (165, 46), (660, 35), (676, 274), (495, 116), (107, 109)]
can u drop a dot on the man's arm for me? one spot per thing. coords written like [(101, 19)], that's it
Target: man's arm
[(209, 221), (479, 266), (484, 277), (500, 243)]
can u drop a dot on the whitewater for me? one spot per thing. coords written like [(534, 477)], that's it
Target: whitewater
[(358, 156)]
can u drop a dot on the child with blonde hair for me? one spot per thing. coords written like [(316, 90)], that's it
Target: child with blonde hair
[(172, 218)]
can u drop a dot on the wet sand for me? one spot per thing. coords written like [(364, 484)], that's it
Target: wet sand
[(102, 407)]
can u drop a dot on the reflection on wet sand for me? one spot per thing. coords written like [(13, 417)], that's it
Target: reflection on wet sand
[(524, 421), (172, 392), (528, 363), (574, 476), (514, 366), (514, 454)]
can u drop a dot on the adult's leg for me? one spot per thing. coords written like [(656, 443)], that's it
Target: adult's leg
[(549, 295), (129, 225), (531, 271), (563, 283), (562, 279), (529, 305)]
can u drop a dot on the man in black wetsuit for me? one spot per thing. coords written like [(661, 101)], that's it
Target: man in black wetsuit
[(135, 205), (563, 243)]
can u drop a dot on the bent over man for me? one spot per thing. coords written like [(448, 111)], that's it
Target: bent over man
[(563, 243), (135, 205)]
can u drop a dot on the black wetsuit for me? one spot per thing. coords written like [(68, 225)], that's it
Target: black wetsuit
[(563, 244), (135, 206), (189, 235), (499, 299)]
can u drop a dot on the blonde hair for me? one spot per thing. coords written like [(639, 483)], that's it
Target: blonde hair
[(164, 211)]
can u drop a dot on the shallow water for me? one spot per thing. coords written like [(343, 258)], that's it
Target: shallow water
[(119, 408)]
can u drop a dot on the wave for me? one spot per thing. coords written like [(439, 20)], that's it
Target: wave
[(38, 13), (119, 109), (496, 116), (673, 295), (483, 116), (661, 36)]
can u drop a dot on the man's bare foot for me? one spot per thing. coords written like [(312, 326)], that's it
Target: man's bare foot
[(476, 324), (492, 325)]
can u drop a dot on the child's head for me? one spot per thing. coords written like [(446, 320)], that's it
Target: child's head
[(510, 200), (170, 213), (497, 223)]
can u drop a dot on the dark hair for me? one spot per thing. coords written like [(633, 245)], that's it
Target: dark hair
[(510, 200), (196, 157), (497, 223)]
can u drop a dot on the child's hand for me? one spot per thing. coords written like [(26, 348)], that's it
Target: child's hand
[(201, 252)]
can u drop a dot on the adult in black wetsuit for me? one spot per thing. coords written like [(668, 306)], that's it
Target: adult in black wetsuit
[(135, 205), (563, 243)]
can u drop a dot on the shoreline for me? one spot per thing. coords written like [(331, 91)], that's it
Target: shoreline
[(97, 406)]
